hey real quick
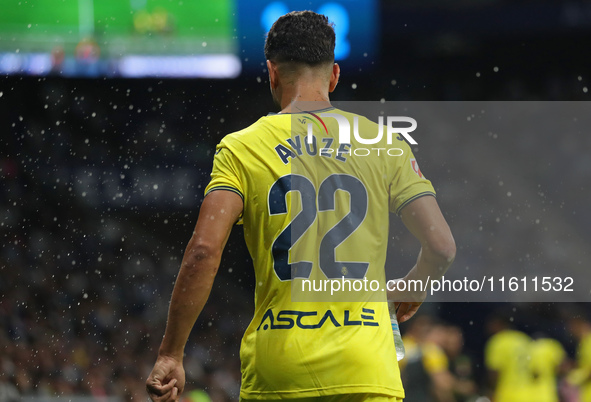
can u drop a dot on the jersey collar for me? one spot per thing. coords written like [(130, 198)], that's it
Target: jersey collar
[(303, 111)]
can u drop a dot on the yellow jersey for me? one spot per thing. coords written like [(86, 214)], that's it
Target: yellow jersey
[(546, 356), (331, 204), (508, 353)]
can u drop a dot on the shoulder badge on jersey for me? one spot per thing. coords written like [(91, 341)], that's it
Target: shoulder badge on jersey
[(415, 167)]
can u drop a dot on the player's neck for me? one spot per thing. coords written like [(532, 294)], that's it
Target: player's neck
[(304, 91)]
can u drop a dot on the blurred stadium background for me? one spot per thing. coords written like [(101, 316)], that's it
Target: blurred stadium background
[(109, 114)]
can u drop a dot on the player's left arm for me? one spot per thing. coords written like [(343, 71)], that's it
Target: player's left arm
[(219, 212), (423, 218)]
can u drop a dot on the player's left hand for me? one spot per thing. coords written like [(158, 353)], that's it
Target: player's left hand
[(407, 302), (167, 380), (405, 310)]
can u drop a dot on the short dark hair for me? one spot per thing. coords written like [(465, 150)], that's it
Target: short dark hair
[(301, 37)]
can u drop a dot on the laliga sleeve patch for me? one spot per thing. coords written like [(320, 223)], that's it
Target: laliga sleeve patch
[(415, 167)]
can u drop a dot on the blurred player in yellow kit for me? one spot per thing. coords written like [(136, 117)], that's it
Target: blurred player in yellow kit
[(507, 358), (547, 357), (425, 368), (288, 193), (524, 369)]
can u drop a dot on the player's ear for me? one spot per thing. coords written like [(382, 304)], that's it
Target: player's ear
[(273, 76), (334, 77)]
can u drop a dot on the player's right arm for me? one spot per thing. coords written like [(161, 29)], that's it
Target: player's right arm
[(218, 214), (424, 220), (221, 209)]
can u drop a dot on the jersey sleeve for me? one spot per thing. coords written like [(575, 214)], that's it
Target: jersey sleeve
[(408, 183), (584, 353), (558, 352), (493, 354), (226, 173)]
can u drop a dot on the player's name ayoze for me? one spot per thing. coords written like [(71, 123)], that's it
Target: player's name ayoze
[(296, 147)]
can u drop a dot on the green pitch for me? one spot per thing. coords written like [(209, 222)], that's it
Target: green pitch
[(118, 26)]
